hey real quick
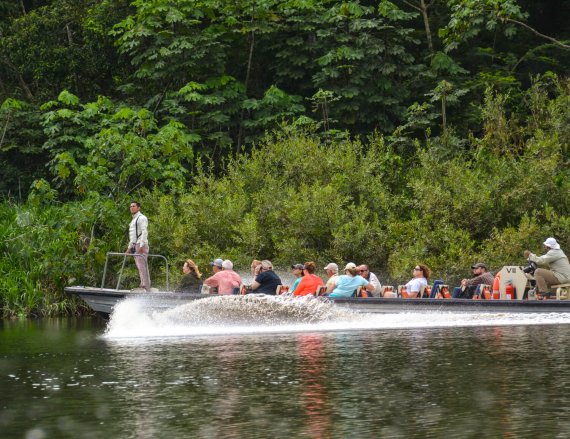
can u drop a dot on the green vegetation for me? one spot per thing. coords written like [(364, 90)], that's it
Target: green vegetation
[(379, 132)]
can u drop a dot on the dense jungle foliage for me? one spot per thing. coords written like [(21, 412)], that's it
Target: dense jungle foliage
[(385, 132)]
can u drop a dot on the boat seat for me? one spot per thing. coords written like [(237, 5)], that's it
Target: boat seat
[(562, 291), (388, 291), (282, 289), (406, 295), (322, 289)]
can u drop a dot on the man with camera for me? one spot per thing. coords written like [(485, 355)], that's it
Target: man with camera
[(555, 260), (138, 243)]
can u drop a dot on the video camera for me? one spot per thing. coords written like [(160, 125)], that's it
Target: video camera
[(530, 268)]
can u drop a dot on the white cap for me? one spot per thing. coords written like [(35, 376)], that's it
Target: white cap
[(332, 266), (227, 265), (551, 242), (350, 266)]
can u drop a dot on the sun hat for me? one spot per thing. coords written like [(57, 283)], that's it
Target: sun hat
[(217, 262), (332, 266), (350, 266), (551, 242)]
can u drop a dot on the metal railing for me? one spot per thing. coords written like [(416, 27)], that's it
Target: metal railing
[(134, 255)]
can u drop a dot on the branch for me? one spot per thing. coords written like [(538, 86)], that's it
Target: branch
[(411, 5), (20, 78), (534, 31)]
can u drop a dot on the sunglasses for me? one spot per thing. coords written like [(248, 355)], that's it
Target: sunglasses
[(417, 269)]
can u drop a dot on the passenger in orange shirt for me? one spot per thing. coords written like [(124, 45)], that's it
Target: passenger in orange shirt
[(309, 282)]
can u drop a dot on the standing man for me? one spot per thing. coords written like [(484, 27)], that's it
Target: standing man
[(138, 243), (365, 272)]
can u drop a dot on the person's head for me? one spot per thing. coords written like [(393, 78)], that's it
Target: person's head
[(254, 266), (191, 267), (310, 267), (551, 244), (297, 269), (135, 207), (350, 269), (216, 265), (479, 268), (363, 271), (422, 270), (227, 265), (266, 265), (331, 269)]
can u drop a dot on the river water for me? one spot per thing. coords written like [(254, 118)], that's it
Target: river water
[(207, 371)]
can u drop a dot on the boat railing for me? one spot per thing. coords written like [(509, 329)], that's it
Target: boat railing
[(125, 256)]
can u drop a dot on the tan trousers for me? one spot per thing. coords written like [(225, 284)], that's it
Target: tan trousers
[(544, 279), (141, 260)]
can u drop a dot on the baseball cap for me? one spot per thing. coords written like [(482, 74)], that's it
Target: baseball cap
[(331, 266), (217, 262), (298, 266), (350, 266), (479, 265), (227, 265)]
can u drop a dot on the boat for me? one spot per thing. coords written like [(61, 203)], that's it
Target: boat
[(102, 300)]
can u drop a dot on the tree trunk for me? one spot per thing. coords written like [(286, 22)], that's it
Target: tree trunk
[(424, 9), (23, 84), (247, 75), (443, 115)]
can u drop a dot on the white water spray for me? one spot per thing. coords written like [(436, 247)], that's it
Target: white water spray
[(253, 314)]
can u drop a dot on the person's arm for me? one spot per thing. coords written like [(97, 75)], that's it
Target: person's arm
[(369, 286), (212, 281), (375, 282), (414, 286), (543, 260), (331, 286), (142, 239), (257, 282)]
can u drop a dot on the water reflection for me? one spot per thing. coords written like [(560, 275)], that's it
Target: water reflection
[(62, 379), (314, 399)]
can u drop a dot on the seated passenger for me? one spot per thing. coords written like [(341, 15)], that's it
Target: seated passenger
[(421, 275), (558, 271), (348, 283), (468, 286), (309, 282), (191, 279), (332, 274), (298, 273), (266, 282), (255, 267), (365, 272), (225, 280)]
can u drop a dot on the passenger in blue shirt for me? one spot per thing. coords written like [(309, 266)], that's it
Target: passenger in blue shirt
[(348, 283), (298, 272)]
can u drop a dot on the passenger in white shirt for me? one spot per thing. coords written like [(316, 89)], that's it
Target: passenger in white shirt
[(421, 275), (364, 271)]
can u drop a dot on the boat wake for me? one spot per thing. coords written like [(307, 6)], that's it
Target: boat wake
[(255, 314)]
